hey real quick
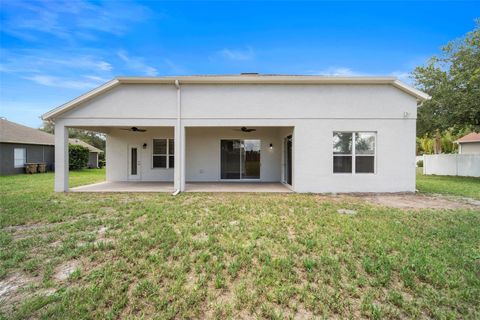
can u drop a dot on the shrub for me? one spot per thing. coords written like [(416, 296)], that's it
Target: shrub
[(420, 163), (77, 156), (101, 163)]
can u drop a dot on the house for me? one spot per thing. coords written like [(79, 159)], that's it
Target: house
[(20, 144), (469, 144), (310, 133)]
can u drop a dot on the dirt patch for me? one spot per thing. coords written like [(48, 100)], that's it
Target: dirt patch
[(9, 285), (234, 223), (201, 237), (302, 314), (347, 211), (141, 219), (62, 272), (102, 238), (420, 201), (21, 232), (9, 290)]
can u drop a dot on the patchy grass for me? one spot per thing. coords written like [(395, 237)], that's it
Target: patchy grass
[(230, 256), (449, 185)]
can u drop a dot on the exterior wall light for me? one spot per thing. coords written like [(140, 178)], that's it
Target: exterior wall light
[(144, 146), (271, 146)]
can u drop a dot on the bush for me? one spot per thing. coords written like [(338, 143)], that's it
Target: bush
[(420, 163), (77, 157), (101, 163)]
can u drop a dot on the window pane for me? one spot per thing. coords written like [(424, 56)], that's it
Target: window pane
[(364, 143), (133, 162), (171, 161), (365, 164), (19, 157), (159, 146), (342, 164), (342, 143), (171, 146), (159, 161)]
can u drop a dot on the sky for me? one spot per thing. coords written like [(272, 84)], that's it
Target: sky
[(53, 51)]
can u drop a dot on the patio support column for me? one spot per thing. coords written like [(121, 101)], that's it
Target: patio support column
[(61, 158), (179, 172), (182, 158)]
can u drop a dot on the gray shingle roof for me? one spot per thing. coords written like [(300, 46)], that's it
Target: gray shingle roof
[(84, 144), (16, 133)]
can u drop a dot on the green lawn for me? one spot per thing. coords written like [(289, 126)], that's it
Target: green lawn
[(230, 256), (456, 186)]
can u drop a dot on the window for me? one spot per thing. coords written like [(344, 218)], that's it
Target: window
[(163, 153), (354, 152), (19, 157)]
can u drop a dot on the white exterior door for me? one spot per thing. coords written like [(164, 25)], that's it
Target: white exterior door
[(134, 163)]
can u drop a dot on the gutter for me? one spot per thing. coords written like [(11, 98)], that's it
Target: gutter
[(179, 138)]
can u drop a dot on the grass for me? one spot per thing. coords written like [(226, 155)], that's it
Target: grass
[(222, 256), (449, 185)]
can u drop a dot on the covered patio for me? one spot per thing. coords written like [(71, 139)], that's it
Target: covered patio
[(146, 158)]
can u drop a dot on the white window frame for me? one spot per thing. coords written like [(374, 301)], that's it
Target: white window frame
[(354, 153), (167, 155), (24, 157)]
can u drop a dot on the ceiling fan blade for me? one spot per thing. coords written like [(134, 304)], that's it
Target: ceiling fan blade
[(141, 130), (125, 129)]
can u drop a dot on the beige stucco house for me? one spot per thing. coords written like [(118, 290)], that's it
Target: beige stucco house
[(469, 144), (310, 133)]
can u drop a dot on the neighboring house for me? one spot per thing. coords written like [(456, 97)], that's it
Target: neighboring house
[(313, 133), (93, 152), (469, 144), (20, 144)]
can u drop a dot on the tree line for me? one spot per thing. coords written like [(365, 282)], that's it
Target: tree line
[(452, 79)]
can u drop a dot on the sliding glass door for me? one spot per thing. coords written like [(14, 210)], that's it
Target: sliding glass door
[(240, 159), (230, 157)]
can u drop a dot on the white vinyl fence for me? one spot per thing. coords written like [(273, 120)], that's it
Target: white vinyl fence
[(467, 165)]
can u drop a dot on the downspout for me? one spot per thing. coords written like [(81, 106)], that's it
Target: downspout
[(179, 139)]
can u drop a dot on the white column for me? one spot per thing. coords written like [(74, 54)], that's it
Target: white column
[(177, 171), (182, 158), (294, 152), (61, 158)]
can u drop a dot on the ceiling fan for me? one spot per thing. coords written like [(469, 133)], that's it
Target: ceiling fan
[(135, 129), (245, 129)]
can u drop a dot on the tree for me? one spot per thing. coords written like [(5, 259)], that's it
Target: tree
[(77, 156), (453, 81)]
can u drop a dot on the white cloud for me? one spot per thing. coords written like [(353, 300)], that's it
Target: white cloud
[(70, 19), (338, 72), (32, 60), (237, 54), (62, 82), (96, 78), (136, 64)]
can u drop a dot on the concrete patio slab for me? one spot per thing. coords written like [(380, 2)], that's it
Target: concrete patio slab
[(236, 187), (126, 186), (154, 186)]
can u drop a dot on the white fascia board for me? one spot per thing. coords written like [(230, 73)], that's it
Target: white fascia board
[(422, 96), (50, 115)]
